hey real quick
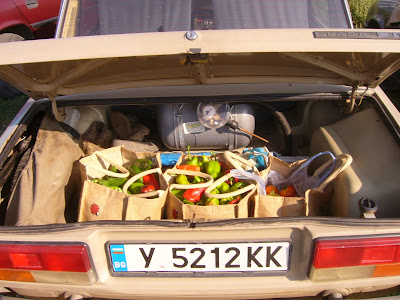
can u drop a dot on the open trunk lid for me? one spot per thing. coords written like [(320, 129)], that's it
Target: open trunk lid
[(69, 66)]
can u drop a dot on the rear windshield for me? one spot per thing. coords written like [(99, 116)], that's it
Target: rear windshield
[(102, 17)]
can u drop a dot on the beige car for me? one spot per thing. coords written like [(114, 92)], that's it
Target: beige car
[(155, 86)]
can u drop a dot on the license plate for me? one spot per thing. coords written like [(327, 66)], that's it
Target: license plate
[(232, 257)]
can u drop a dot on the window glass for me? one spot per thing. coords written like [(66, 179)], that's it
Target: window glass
[(102, 17)]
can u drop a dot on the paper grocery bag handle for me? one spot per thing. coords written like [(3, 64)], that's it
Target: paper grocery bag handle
[(149, 194), (125, 173), (342, 161), (232, 159), (208, 177), (216, 183), (136, 177)]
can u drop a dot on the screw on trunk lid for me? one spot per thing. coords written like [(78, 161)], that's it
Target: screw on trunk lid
[(191, 35)]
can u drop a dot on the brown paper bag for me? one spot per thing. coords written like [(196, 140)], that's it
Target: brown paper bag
[(175, 209), (315, 201), (97, 164), (228, 211), (99, 202), (102, 203)]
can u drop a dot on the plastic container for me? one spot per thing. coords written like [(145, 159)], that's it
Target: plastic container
[(80, 118), (179, 127)]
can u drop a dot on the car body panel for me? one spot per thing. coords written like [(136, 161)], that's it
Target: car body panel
[(37, 12), (295, 283), (30, 14), (11, 15), (308, 60)]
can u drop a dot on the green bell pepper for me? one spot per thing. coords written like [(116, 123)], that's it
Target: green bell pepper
[(212, 201), (215, 191), (194, 160), (239, 184), (197, 179), (117, 188), (178, 193), (187, 202), (233, 189), (113, 181), (225, 201), (181, 179), (144, 164), (113, 169), (103, 182), (223, 187), (204, 162), (213, 168), (134, 170), (136, 187)]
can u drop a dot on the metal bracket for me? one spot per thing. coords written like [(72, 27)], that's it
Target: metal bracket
[(198, 64), (349, 103), (192, 222), (181, 138)]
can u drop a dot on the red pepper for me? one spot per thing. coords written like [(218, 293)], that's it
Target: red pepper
[(194, 195), (151, 180), (189, 167), (236, 200), (231, 180), (148, 188), (224, 166)]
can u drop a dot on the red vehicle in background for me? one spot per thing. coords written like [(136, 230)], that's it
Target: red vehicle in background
[(26, 20)]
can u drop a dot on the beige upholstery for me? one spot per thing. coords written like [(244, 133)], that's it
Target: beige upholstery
[(375, 167)]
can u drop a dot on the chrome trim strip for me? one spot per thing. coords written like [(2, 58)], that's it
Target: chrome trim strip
[(41, 23), (63, 10), (350, 19)]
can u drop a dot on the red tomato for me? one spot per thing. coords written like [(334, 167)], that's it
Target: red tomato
[(288, 191), (272, 190)]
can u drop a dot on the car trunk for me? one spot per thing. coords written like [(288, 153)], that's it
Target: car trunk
[(304, 98)]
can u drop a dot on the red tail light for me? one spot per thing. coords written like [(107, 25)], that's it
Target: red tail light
[(39, 261), (355, 258)]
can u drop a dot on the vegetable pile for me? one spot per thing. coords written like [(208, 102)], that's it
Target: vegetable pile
[(286, 191), (216, 169), (145, 184), (196, 196)]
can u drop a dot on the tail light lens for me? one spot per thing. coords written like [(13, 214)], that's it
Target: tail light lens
[(355, 258), (46, 263)]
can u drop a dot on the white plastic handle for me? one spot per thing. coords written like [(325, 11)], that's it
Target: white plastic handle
[(250, 176)]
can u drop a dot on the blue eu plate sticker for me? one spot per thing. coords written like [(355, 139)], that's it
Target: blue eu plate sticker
[(118, 258)]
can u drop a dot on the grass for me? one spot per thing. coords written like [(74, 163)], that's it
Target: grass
[(9, 108), (359, 9)]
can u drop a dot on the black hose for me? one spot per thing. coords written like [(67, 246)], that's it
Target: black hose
[(283, 122)]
